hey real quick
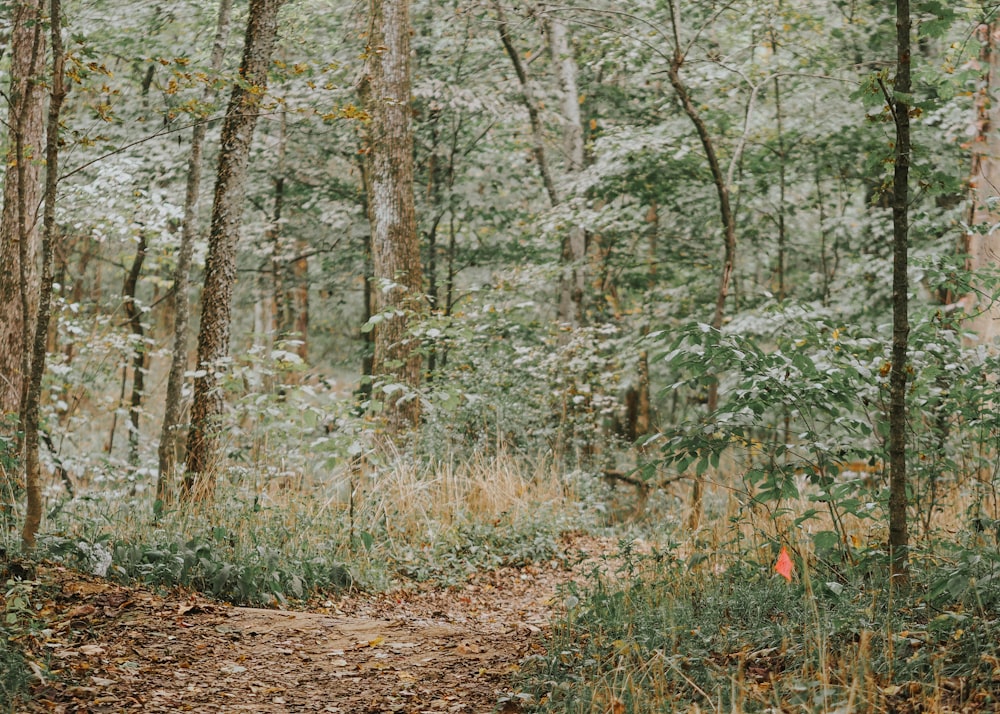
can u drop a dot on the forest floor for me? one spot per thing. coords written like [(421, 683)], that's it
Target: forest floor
[(422, 648)]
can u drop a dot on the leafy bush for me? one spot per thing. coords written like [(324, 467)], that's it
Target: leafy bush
[(479, 546), (803, 401), (208, 564)]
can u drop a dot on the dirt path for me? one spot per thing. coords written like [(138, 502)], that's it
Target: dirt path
[(115, 649)]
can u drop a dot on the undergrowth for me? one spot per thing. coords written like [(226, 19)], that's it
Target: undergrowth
[(18, 619), (661, 633), (402, 520)]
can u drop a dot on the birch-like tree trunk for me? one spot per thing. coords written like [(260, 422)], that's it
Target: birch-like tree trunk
[(984, 249), (220, 265), (172, 424), (398, 288), (574, 248), (19, 236)]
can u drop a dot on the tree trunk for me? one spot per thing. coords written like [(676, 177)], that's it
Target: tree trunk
[(19, 236), (299, 299), (220, 265), (527, 95), (385, 94), (138, 350), (984, 250), (898, 532), (727, 218), (280, 294), (33, 394), (172, 426), (574, 248)]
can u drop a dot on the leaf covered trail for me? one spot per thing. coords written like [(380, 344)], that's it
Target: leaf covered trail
[(426, 649)]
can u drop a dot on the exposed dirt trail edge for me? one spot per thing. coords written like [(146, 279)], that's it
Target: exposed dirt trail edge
[(117, 649)]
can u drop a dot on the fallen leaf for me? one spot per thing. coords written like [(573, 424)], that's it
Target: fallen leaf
[(399, 646), (84, 589), (232, 668), (82, 611), (91, 650), (37, 671)]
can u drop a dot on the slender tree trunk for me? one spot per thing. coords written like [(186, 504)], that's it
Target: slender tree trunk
[(644, 410), (19, 236), (824, 261), (782, 189), (984, 250), (898, 531), (138, 350), (299, 299), (367, 336), (279, 292), (727, 219), (172, 426), (434, 194), (574, 249), (385, 93), (530, 103), (33, 395), (220, 266), (449, 284)]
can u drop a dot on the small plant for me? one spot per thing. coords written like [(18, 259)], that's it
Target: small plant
[(18, 618), (212, 565)]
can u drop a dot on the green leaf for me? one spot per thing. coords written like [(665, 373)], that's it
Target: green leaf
[(221, 578), (367, 539), (826, 540)]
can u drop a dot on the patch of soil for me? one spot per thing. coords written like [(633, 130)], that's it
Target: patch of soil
[(426, 649)]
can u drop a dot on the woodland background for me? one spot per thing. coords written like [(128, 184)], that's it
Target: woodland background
[(502, 270)]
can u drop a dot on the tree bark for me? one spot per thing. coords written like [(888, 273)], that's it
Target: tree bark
[(33, 395), (574, 249), (134, 315), (220, 266), (898, 531), (385, 94), (282, 310), (172, 426), (19, 236), (983, 251)]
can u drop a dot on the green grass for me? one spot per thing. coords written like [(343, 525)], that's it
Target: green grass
[(662, 634)]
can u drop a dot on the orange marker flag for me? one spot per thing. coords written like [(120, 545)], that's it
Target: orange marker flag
[(784, 565)]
